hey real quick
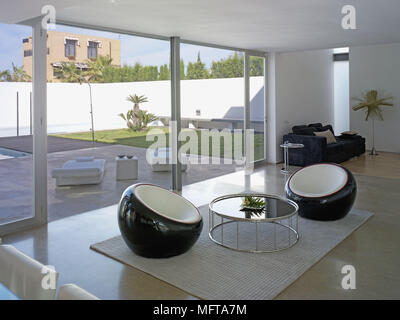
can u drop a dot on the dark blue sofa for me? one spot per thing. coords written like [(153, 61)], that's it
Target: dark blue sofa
[(316, 149)]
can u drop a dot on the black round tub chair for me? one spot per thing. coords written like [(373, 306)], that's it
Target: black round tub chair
[(156, 222), (324, 191)]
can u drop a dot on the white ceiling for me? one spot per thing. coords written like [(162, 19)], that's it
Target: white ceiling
[(280, 25)]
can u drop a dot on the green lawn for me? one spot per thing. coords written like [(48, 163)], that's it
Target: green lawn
[(138, 139)]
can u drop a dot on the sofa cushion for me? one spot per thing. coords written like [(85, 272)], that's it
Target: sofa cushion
[(327, 127), (349, 133), (304, 130), (80, 173), (334, 148), (296, 128), (349, 137), (315, 125), (349, 146), (84, 159), (330, 138)]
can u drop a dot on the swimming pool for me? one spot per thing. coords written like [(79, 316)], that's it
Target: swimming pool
[(9, 153)]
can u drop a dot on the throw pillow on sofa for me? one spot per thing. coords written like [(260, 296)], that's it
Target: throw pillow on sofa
[(327, 127), (349, 133), (330, 138)]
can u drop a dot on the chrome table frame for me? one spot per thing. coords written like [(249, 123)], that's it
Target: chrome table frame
[(286, 146), (277, 221)]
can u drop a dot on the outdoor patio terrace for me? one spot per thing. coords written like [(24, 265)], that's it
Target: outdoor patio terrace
[(16, 185)]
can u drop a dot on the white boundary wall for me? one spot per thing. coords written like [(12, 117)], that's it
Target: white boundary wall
[(68, 103)]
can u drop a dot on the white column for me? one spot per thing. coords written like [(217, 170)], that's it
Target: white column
[(175, 125), (266, 107), (246, 91), (39, 89), (271, 108), (246, 124)]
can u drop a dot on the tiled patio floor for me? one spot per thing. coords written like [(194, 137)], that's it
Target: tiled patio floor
[(54, 144), (16, 182)]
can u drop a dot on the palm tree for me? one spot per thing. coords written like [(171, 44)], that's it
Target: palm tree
[(138, 121), (19, 74), (129, 120), (95, 72), (69, 72), (135, 118), (5, 75), (136, 100), (146, 118)]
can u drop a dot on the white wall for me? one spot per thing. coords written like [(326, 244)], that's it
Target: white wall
[(8, 107), (303, 89), (68, 103), (377, 67), (300, 92)]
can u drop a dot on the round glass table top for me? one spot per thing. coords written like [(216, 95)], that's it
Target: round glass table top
[(276, 208)]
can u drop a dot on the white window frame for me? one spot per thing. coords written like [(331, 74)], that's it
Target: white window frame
[(66, 45), (97, 48), (39, 90), (263, 55)]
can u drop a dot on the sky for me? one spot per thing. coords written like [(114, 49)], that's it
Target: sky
[(133, 49)]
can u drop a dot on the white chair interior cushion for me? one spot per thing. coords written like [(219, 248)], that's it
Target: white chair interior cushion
[(24, 276), (73, 292), (318, 180), (167, 203)]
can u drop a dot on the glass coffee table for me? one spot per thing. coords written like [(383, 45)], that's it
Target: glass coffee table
[(270, 229)]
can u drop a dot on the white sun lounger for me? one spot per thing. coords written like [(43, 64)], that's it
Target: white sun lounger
[(83, 170)]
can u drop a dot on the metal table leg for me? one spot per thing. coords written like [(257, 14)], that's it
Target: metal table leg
[(285, 169)]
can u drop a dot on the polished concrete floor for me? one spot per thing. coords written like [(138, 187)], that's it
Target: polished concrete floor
[(372, 249), (385, 165)]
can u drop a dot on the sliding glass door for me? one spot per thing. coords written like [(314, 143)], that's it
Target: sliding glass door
[(99, 83), (257, 105), (16, 151), (115, 108), (23, 169), (212, 111)]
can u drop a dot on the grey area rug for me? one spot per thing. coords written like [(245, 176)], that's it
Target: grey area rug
[(210, 271)]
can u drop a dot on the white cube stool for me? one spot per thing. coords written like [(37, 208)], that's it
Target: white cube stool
[(127, 169)]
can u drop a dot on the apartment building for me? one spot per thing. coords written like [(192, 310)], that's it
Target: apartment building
[(74, 48)]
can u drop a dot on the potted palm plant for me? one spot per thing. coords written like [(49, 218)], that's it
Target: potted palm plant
[(371, 104), (136, 118), (253, 206)]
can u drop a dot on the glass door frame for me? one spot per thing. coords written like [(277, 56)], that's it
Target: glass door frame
[(248, 54), (176, 105), (39, 123)]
